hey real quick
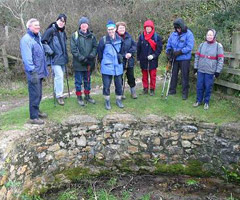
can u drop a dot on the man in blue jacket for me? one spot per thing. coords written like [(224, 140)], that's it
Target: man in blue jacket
[(181, 43), (34, 61), (111, 59)]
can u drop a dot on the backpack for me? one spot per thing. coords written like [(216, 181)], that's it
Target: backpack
[(76, 36)]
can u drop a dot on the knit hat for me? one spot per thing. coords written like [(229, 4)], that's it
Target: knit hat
[(111, 23), (62, 16), (121, 24), (83, 20)]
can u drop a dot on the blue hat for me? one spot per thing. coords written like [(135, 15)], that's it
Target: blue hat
[(111, 23)]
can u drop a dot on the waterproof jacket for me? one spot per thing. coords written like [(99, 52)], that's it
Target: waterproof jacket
[(144, 50), (55, 45), (107, 55), (209, 58), (83, 45), (33, 55), (183, 41), (128, 46)]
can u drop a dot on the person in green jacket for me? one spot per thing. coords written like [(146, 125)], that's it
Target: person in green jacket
[(84, 50)]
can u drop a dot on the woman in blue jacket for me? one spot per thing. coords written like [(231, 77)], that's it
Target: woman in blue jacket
[(181, 43), (111, 59)]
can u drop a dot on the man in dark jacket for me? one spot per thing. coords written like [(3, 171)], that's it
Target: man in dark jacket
[(34, 61), (84, 50), (181, 43), (149, 47), (55, 43)]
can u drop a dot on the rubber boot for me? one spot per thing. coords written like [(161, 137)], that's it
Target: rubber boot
[(107, 103), (119, 101), (87, 98), (133, 92), (80, 101)]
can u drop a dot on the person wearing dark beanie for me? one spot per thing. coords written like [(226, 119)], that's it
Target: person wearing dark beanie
[(55, 44), (84, 50)]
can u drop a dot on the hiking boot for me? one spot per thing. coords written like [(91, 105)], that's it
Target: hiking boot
[(145, 90), (133, 92), (87, 98), (152, 92), (196, 104), (80, 101), (119, 103), (42, 115), (206, 106), (123, 97), (60, 101), (184, 97), (171, 93), (36, 121), (107, 104)]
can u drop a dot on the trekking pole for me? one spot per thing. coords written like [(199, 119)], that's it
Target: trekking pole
[(164, 82), (169, 81), (124, 78), (67, 81), (54, 95)]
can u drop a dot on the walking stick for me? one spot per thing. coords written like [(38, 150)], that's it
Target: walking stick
[(54, 95), (166, 76), (124, 78), (67, 81), (170, 78)]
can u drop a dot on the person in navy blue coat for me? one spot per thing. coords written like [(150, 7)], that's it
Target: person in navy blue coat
[(129, 48), (181, 43), (149, 47), (33, 56)]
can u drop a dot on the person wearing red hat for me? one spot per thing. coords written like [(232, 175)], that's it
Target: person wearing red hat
[(149, 48)]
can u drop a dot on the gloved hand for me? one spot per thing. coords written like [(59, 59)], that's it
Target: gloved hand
[(150, 57), (89, 57), (216, 74), (34, 77), (177, 53), (195, 71)]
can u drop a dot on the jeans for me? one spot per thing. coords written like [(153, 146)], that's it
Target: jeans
[(35, 96), (85, 77), (184, 65), (153, 74), (58, 71), (107, 80), (204, 86)]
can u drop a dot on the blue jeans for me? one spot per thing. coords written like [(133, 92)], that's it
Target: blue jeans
[(107, 80), (35, 96), (204, 86), (58, 71), (85, 77)]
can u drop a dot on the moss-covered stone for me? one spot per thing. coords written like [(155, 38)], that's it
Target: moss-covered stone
[(76, 174)]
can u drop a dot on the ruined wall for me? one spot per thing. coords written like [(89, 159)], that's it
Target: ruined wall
[(55, 155)]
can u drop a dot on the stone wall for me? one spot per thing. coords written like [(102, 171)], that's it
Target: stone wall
[(54, 155)]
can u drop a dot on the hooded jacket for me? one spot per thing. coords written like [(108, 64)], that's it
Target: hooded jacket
[(33, 55), (83, 45), (144, 49), (183, 41), (55, 49)]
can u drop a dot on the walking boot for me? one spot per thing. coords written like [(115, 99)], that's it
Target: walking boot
[(87, 98), (119, 102), (36, 121), (145, 90), (152, 92), (107, 103), (80, 101), (184, 97), (42, 115), (60, 101), (206, 106), (133, 92)]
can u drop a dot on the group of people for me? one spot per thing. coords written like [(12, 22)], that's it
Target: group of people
[(115, 52)]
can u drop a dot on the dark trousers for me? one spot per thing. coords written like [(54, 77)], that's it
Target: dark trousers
[(35, 96), (152, 73), (130, 77), (184, 66), (204, 87), (85, 77), (107, 80)]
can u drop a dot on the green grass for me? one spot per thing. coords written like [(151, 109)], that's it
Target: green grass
[(220, 111)]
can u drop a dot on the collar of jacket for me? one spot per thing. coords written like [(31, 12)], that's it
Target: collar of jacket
[(85, 35)]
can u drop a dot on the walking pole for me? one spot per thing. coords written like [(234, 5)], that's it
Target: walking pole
[(67, 81), (54, 95), (124, 78), (170, 78), (164, 82)]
